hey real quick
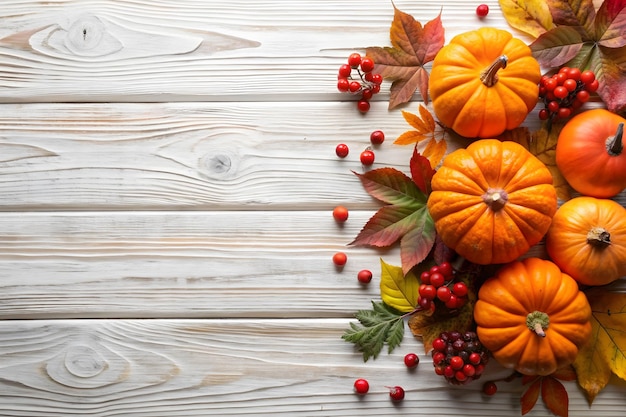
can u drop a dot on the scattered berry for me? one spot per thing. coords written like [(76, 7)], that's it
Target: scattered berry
[(396, 393), (342, 150), (565, 91), (459, 357), (411, 360), (340, 213), (377, 137), (482, 10), (365, 82), (364, 276), (367, 157), (361, 386), (490, 388), (340, 258)]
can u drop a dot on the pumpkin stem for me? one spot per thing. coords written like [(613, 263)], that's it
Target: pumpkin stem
[(489, 76), (495, 198), (614, 144), (538, 322), (599, 237)]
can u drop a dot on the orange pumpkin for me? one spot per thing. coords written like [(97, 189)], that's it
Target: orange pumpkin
[(590, 153), (532, 317), (587, 240), (492, 201), (484, 82)]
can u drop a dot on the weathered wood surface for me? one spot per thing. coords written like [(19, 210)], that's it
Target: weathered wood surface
[(167, 174)]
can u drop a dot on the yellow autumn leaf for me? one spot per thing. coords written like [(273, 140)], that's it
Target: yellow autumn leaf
[(411, 136), (530, 16), (434, 151), (396, 289), (606, 351)]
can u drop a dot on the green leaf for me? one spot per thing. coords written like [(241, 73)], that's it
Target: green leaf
[(379, 326), (407, 215), (398, 290)]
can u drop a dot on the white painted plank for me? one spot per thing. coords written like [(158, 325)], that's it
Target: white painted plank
[(182, 50), (232, 367)]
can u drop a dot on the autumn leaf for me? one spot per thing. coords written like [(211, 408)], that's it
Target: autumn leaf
[(606, 351), (426, 129), (542, 144), (405, 218), (413, 45), (553, 392), (588, 39), (421, 171), (398, 290), (529, 16), (530, 396), (430, 326)]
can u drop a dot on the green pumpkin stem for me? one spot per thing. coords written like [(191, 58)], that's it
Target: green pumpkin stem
[(538, 322), (489, 76), (599, 237), (614, 144)]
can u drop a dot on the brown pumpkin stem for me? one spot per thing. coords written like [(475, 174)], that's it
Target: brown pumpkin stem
[(599, 237), (489, 76), (614, 144), (495, 198), (538, 322)]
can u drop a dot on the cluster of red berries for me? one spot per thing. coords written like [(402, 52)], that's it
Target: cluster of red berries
[(366, 85), (459, 357), (438, 286), (565, 92)]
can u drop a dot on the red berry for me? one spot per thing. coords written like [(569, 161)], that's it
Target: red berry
[(452, 303), (456, 362), (343, 84), (426, 303), (444, 293), (364, 276), (377, 137), (354, 60), (438, 357), (459, 289), (361, 386), (377, 79), (376, 88), (560, 92), (340, 213), (482, 10), (367, 64), (593, 86), (367, 94), (551, 84), (363, 106), (582, 96), (469, 370), (587, 76), (428, 291), (354, 86), (411, 360), (490, 388), (439, 345), (342, 150), (396, 393), (543, 114), (340, 258), (474, 358), (564, 112), (460, 376), (437, 279), (574, 74), (367, 157), (425, 277), (345, 70), (553, 106), (570, 84), (446, 269)]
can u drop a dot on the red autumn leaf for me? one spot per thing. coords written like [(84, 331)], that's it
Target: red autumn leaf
[(413, 45), (421, 171), (405, 219), (530, 396), (554, 396), (588, 39)]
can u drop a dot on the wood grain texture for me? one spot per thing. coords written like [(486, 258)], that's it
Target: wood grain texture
[(189, 50), (229, 368)]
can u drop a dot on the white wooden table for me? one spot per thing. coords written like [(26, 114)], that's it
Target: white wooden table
[(167, 173)]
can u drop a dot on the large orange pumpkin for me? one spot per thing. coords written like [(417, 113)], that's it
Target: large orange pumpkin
[(492, 201), (587, 240), (532, 317), (484, 82), (590, 153)]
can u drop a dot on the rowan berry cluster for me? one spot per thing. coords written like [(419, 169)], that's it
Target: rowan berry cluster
[(459, 357), (438, 286), (366, 83), (565, 92)]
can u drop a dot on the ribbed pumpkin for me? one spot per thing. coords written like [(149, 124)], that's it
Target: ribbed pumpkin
[(492, 201), (484, 82), (593, 139), (532, 317), (587, 240)]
